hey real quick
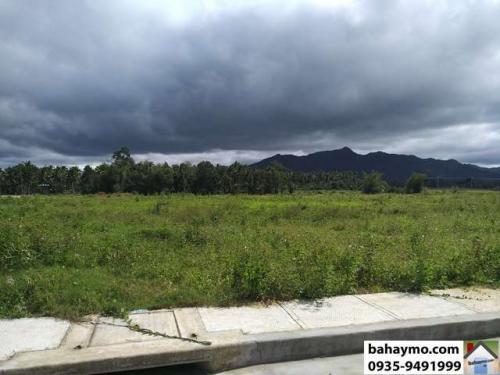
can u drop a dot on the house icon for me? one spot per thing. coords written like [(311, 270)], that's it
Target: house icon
[(480, 359)]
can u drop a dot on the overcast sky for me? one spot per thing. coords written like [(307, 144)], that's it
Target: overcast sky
[(242, 80)]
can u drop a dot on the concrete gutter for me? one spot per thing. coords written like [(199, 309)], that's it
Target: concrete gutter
[(229, 352)]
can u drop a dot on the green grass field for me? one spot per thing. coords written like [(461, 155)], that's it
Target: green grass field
[(68, 256)]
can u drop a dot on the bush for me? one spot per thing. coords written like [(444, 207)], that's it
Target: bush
[(248, 275), (15, 249), (373, 183), (415, 183)]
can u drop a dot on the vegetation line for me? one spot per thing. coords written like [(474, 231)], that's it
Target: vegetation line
[(125, 175)]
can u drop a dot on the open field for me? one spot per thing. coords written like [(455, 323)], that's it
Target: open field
[(68, 256)]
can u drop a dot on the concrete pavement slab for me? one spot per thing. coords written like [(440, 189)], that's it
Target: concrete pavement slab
[(30, 334), (159, 321), (477, 299), (334, 312), (115, 331), (110, 331), (414, 306), (249, 319), (78, 336), (189, 322)]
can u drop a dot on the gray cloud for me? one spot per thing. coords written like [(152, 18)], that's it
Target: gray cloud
[(78, 79)]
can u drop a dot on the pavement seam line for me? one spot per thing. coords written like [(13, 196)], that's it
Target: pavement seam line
[(455, 301), (66, 334), (91, 336), (292, 316), (380, 308), (87, 341), (199, 319), (176, 324)]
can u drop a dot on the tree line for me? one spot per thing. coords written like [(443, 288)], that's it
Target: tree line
[(124, 174)]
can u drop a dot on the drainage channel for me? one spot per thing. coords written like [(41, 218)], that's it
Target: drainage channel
[(186, 369)]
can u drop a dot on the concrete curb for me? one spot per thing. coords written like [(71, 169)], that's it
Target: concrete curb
[(103, 359), (233, 352)]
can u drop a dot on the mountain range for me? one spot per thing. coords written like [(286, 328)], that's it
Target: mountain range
[(394, 167)]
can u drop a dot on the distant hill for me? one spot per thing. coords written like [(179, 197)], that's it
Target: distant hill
[(395, 167)]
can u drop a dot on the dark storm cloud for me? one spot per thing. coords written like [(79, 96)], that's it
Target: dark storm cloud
[(80, 78)]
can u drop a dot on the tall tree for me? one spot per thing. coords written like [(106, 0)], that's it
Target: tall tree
[(122, 168), (88, 181), (206, 178), (184, 175), (73, 180)]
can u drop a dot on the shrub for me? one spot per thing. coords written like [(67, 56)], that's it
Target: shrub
[(415, 183), (419, 258), (373, 183), (15, 249), (248, 275)]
